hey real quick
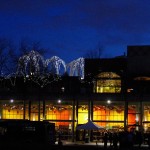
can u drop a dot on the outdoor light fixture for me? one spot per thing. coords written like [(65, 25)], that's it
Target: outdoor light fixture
[(137, 118), (108, 101), (11, 100), (63, 89), (59, 101)]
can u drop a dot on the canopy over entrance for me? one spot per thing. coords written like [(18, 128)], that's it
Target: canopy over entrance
[(90, 126)]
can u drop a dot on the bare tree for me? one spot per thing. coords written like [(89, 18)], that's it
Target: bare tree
[(96, 53), (26, 45), (7, 49), (10, 54)]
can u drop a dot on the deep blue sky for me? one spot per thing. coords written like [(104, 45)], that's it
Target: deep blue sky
[(70, 28)]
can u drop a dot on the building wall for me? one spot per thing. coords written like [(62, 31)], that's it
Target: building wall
[(138, 60), (79, 102)]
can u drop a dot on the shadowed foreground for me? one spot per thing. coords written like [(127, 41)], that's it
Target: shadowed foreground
[(37, 146)]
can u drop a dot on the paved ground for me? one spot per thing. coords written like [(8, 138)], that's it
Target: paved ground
[(65, 146), (94, 146)]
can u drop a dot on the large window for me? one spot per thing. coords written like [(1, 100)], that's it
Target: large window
[(82, 114), (107, 82), (146, 116), (59, 111), (134, 114), (11, 109), (109, 115)]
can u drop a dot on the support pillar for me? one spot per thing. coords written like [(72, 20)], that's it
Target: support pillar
[(126, 116), (44, 115), (73, 122), (141, 116), (29, 113), (24, 110), (39, 111)]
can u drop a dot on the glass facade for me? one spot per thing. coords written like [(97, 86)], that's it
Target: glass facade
[(68, 114)]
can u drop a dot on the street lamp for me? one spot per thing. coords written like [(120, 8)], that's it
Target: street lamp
[(11, 100), (108, 101), (107, 111), (59, 133), (59, 101)]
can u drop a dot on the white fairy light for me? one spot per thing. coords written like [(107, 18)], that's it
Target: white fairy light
[(55, 63), (76, 67), (32, 66)]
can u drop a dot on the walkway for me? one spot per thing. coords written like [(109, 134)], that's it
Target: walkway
[(94, 144)]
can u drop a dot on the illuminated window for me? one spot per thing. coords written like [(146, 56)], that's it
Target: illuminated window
[(142, 78), (146, 112), (108, 82), (105, 113), (82, 114), (11, 109), (59, 112)]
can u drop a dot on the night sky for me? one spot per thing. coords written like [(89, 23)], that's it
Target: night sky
[(71, 28)]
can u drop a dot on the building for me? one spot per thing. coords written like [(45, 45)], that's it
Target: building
[(114, 93)]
